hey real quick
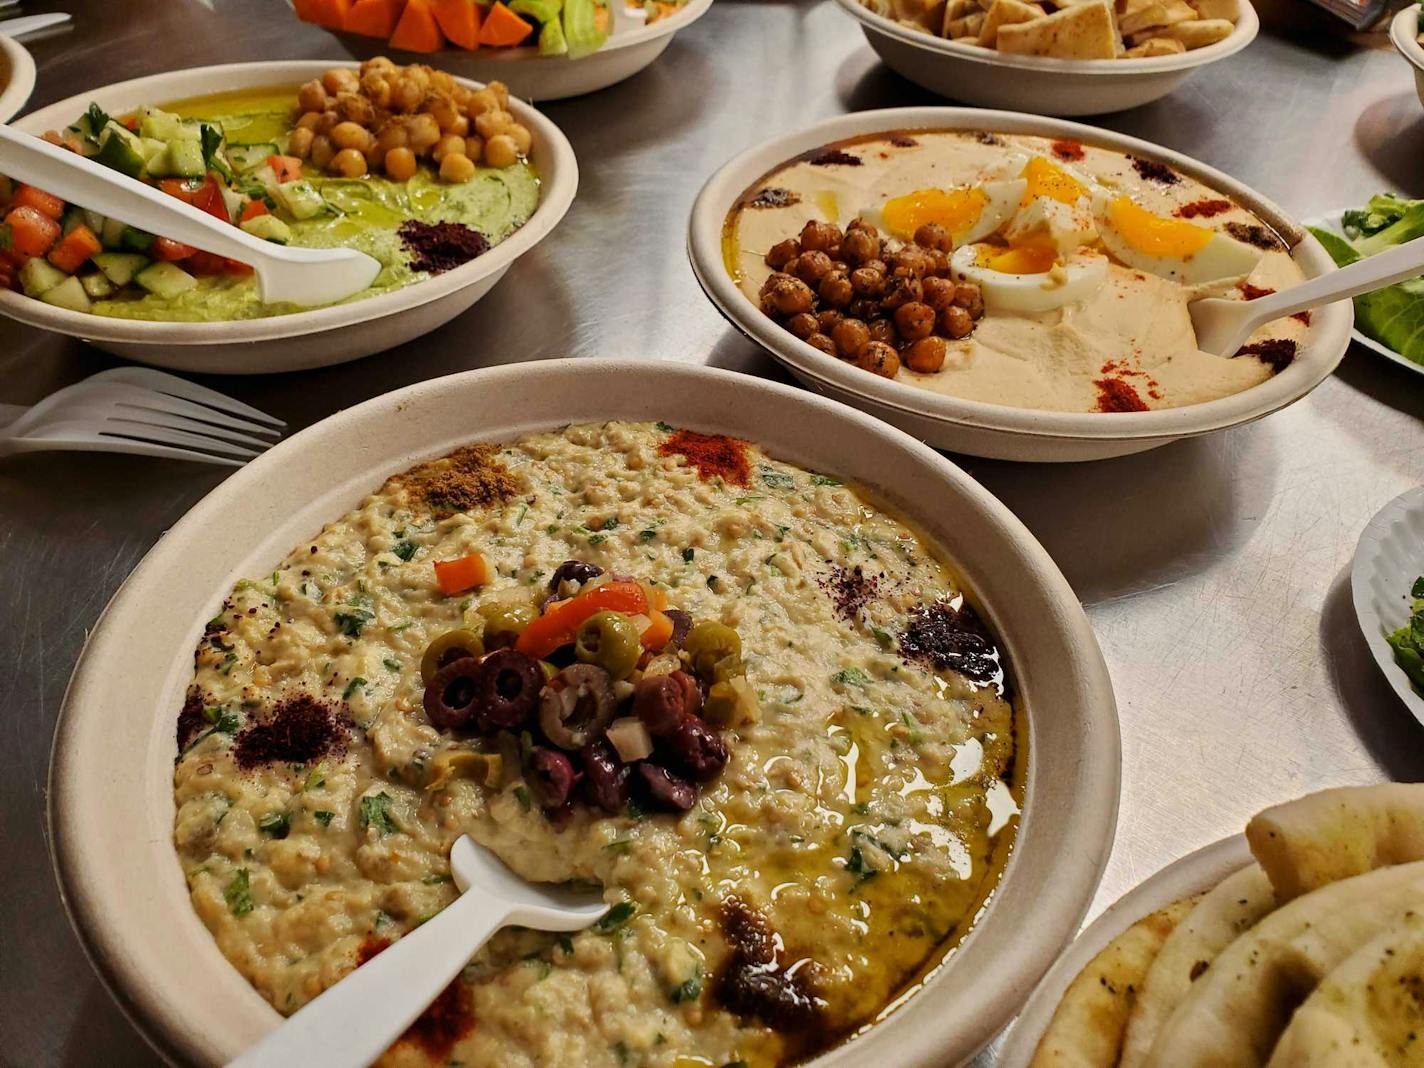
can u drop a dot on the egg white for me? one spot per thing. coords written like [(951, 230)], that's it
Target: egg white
[(1030, 294), (1002, 200), (1221, 258)]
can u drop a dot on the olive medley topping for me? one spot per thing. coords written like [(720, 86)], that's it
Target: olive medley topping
[(601, 693), (855, 296)]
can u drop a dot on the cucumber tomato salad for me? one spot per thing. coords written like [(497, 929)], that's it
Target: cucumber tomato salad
[(228, 155)]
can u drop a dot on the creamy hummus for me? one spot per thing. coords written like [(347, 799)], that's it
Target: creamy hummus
[(1133, 333), (864, 814)]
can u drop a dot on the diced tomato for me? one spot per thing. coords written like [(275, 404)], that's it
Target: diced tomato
[(31, 233), (238, 267), (132, 123), (286, 168), (201, 263), (9, 278), (74, 249), (27, 196), (165, 248), (182, 188), (209, 198), (252, 209), (558, 626)]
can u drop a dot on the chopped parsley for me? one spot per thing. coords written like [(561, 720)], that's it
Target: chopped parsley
[(376, 812), (857, 866), (435, 879), (647, 535), (276, 824), (610, 523), (522, 796), (616, 917), (323, 817), (316, 778), (826, 480), (852, 676), (392, 664), (352, 619), (666, 428), (238, 894), (776, 479), (404, 549), (351, 687), (688, 991), (688, 554)]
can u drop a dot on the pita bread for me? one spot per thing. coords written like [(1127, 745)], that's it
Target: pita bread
[(926, 14), (966, 26), (1083, 31), (1218, 919), (1004, 13), (1155, 46), (1217, 9), (1336, 834), (1238, 1009), (1145, 14), (1195, 33), (1367, 1012), (1087, 1027)]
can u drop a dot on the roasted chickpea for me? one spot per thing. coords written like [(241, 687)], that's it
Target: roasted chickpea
[(914, 320), (299, 142), (310, 121), (880, 359), (353, 107), (523, 139), (836, 290), (327, 120), (340, 80), (475, 148), (441, 81), (443, 110), (312, 96), (400, 164), (933, 235), (822, 343), (481, 101), (866, 282), (446, 145), (491, 124), (406, 95), (501, 93), (456, 167), (970, 297), (784, 295), (859, 223), (909, 260), (350, 135), (322, 150), (955, 322), (938, 293), (420, 75), (803, 325), (827, 319), (377, 89), (378, 65), (883, 330), (811, 267), (900, 288), (926, 355), (782, 253), (938, 264), (864, 309), (820, 236), (859, 245), (423, 132), (349, 163), (850, 336), (500, 151), (393, 135)]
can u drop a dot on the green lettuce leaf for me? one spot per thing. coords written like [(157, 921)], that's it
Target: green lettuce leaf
[(1393, 316)]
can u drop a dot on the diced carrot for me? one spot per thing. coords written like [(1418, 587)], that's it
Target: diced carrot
[(659, 633), (457, 576), (460, 19), (165, 248), (502, 28), (252, 209), (330, 14), (74, 249), (309, 10), (374, 18), (45, 203), (417, 30), (286, 168), (32, 233)]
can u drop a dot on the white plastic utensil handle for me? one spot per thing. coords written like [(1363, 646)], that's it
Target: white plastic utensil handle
[(32, 23), (1364, 276), (353, 1022)]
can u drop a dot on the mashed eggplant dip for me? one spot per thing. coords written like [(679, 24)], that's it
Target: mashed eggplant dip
[(1010, 269), (753, 707)]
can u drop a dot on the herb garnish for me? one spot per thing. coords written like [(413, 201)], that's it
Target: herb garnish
[(616, 917), (276, 824), (376, 812), (238, 894)]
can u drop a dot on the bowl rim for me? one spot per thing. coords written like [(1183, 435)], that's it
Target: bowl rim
[(1327, 346), (21, 84), (1026, 598), (1248, 24), (558, 173), (1404, 35)]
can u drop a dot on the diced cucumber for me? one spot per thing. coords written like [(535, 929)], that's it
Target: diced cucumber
[(180, 159), (120, 267), (300, 199), (136, 240), (541, 10), (581, 28), (112, 235), (165, 280), (551, 39), (97, 286), (94, 220), (68, 294), (269, 228), (121, 151), (233, 201), (38, 276), (165, 126), (151, 147), (71, 220), (250, 157)]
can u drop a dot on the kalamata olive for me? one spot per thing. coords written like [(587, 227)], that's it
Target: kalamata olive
[(453, 693), (681, 624), (691, 692), (605, 776), (507, 686), (575, 571), (659, 702), (552, 776), (571, 722), (666, 790), (696, 749)]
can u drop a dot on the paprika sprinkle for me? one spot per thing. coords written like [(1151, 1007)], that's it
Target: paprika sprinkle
[(714, 455)]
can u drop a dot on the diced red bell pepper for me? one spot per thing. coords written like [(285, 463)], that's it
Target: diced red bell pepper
[(74, 249), (559, 625), (165, 248)]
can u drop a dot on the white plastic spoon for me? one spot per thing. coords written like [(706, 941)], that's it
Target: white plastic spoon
[(1222, 326), (353, 1022), (304, 276)]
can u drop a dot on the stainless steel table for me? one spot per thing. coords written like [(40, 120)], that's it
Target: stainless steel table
[(1214, 571)]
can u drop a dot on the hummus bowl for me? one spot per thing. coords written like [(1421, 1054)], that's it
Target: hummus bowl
[(966, 403), (1404, 33), (1042, 85), (17, 77), (306, 338), (113, 779)]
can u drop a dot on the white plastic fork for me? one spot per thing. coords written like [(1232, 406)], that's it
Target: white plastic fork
[(141, 411)]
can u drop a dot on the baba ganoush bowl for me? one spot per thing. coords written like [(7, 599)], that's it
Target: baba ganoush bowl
[(1042, 85), (113, 771), (1404, 33), (979, 426), (309, 338), (17, 77)]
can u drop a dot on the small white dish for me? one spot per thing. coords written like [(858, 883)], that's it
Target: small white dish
[(306, 339), (995, 430), (17, 76), (534, 77), (111, 774), (1331, 221), (1193, 874), (1404, 34), (1039, 84), (1389, 557)]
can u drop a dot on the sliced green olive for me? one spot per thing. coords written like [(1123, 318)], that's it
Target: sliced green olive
[(505, 621), (708, 643), (610, 641), (448, 648), (720, 705), (728, 668)]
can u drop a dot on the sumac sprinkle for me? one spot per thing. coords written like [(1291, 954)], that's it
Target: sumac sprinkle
[(984, 137), (947, 638), (851, 589), (191, 721), (901, 141), (1253, 234), (835, 157), (754, 980), (714, 455), (437, 247), (1115, 395), (1203, 209), (1068, 150), (1153, 171), (1277, 353), (297, 731), (1250, 292), (772, 197), (1302, 317)]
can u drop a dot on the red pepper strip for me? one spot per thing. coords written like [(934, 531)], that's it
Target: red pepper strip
[(559, 625)]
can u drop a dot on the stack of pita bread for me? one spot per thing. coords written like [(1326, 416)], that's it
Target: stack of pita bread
[(1311, 957), (1071, 29)]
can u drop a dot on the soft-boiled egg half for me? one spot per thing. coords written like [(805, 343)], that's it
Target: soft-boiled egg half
[(1170, 248), (1027, 281), (969, 213), (1055, 212)]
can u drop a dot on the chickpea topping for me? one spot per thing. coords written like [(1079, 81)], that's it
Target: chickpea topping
[(822, 342), (926, 355), (482, 100), (956, 322), (787, 295), (300, 142), (882, 330), (914, 320), (322, 151), (456, 167), (811, 267), (934, 236), (803, 325), (826, 320), (500, 151), (312, 96), (400, 163), (309, 121), (880, 359), (836, 290), (349, 163), (850, 336), (340, 80), (523, 139), (782, 253), (446, 145), (938, 292), (350, 135), (820, 236), (492, 123), (423, 131), (475, 148)]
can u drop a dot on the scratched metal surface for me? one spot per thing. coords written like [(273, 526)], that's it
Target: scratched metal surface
[(1214, 571)]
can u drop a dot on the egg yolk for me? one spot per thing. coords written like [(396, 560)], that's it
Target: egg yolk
[(1021, 260), (1046, 180), (954, 209), (1154, 235)]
